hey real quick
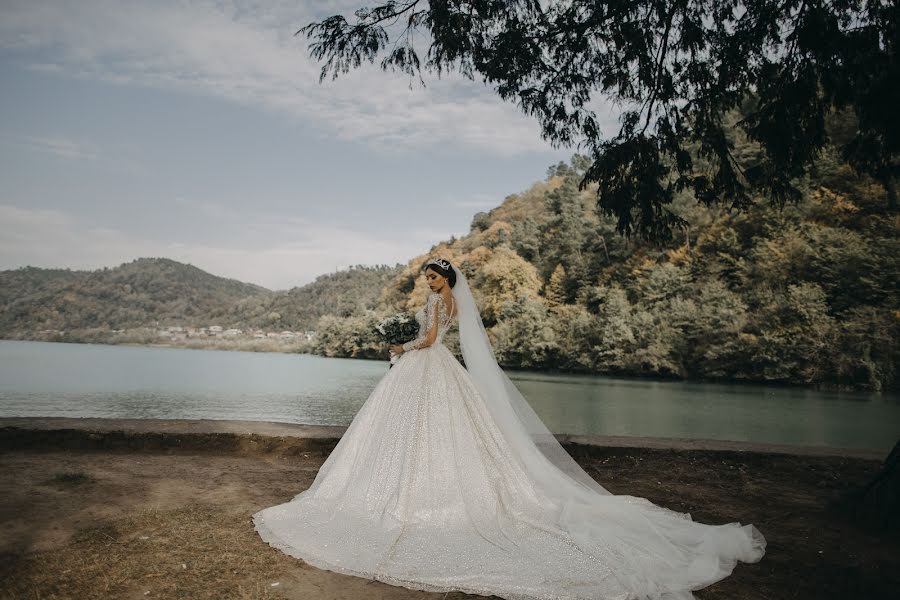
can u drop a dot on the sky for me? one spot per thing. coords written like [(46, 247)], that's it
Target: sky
[(199, 131)]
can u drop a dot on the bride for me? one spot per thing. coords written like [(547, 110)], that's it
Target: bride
[(447, 480)]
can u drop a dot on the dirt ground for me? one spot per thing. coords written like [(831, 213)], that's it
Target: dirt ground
[(127, 515)]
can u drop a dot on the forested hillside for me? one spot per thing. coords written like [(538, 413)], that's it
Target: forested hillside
[(158, 291), (134, 294), (344, 293), (804, 295)]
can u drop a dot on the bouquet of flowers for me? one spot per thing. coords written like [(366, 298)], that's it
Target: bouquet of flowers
[(398, 329)]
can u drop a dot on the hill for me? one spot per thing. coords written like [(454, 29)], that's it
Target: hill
[(343, 294), (804, 294), (158, 291), (139, 293)]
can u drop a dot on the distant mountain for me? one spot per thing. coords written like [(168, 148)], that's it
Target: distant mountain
[(133, 294), (343, 294), (151, 291)]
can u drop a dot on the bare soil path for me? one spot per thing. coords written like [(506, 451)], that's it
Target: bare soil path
[(161, 509)]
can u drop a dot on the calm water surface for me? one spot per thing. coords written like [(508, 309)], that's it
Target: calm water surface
[(88, 380)]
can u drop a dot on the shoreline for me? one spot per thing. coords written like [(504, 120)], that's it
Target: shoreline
[(34, 431)]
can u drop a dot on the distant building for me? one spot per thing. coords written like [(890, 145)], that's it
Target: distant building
[(165, 333)]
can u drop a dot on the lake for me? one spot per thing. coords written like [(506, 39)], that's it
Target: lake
[(89, 380)]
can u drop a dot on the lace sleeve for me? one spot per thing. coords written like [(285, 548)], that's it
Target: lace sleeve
[(428, 333)]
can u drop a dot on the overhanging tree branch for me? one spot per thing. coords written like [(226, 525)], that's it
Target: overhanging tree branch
[(686, 64)]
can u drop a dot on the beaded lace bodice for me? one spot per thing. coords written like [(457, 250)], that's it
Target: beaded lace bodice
[(425, 317)]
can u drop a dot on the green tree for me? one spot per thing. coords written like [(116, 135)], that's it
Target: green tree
[(350, 337), (480, 221), (682, 69), (708, 325), (525, 239), (565, 233), (577, 331), (790, 336), (866, 352), (616, 343), (524, 335)]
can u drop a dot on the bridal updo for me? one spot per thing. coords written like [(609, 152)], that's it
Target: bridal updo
[(442, 267)]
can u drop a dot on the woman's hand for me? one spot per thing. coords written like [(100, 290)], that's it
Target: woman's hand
[(397, 348)]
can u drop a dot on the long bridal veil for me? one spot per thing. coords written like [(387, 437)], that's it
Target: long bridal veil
[(654, 551), (520, 425)]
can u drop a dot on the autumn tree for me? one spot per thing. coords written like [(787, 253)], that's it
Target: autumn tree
[(555, 291), (504, 277)]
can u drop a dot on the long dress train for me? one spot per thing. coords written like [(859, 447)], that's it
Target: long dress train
[(423, 491)]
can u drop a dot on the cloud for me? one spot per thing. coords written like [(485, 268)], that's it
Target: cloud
[(282, 252), (45, 67), (118, 157), (246, 52), (207, 208), (63, 147)]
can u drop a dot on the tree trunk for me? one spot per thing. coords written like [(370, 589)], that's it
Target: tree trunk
[(876, 505)]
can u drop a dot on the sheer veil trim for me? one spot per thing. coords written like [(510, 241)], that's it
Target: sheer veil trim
[(520, 425)]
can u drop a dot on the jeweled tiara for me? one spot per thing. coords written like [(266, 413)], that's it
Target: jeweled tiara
[(444, 264)]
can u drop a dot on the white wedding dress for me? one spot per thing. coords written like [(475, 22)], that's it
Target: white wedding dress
[(430, 488)]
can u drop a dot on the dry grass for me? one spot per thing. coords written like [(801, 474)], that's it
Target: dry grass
[(192, 552)]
